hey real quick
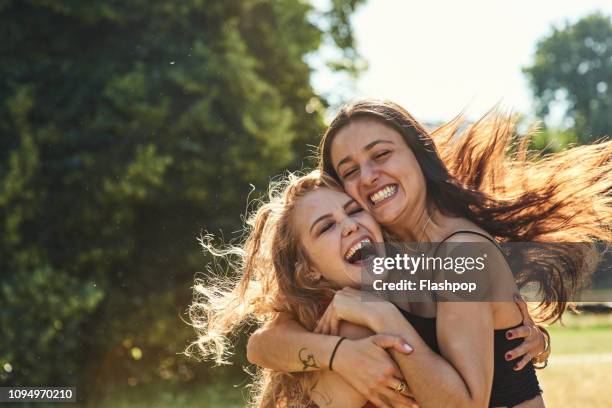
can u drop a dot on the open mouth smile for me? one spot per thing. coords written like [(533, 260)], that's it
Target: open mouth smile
[(359, 251), (382, 195)]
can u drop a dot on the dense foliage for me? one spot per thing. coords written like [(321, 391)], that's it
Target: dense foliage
[(127, 127), (572, 69)]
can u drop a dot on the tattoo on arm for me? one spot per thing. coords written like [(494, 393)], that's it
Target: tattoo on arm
[(307, 359)]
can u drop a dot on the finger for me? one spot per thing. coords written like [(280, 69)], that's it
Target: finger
[(541, 340), (396, 399), (523, 307), (408, 401), (350, 290), (522, 363), (519, 332), (395, 384), (334, 325), (325, 325), (376, 400), (407, 390), (322, 321), (319, 324), (396, 343), (520, 351)]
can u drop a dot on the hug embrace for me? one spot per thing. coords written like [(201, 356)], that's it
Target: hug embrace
[(297, 275)]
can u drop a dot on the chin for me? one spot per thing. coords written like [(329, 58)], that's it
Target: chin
[(388, 217)]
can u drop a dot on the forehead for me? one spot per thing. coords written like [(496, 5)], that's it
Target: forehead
[(355, 136), (316, 203)]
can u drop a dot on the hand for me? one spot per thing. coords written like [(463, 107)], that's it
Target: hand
[(534, 342), (347, 305), (377, 375)]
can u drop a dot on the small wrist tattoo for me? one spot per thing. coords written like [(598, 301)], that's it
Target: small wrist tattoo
[(307, 359)]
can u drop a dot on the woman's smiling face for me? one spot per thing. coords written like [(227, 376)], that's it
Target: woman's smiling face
[(332, 228), (379, 170)]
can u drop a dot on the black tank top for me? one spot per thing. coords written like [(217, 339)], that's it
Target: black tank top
[(510, 387)]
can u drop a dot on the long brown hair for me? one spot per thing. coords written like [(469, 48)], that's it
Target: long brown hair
[(268, 275), (478, 171)]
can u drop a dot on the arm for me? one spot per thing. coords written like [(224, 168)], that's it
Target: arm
[(286, 346), (464, 376), (277, 346), (536, 346), (465, 334), (332, 391)]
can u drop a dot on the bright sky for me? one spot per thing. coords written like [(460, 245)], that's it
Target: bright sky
[(437, 57)]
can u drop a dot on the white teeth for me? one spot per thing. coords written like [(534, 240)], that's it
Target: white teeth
[(382, 194), (356, 247)]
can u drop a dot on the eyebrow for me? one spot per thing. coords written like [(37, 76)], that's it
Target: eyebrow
[(366, 148), (345, 206)]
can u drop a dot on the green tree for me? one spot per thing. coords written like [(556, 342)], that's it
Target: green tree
[(573, 68), (125, 128)]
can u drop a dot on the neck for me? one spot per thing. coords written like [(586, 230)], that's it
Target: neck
[(431, 226)]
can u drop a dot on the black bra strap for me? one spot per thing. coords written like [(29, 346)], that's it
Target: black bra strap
[(468, 232)]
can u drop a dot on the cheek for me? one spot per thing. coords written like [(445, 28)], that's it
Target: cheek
[(417, 182), (410, 176), (326, 248), (326, 259), (415, 189), (333, 270), (374, 228)]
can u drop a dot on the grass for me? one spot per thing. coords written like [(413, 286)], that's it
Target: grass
[(577, 383), (579, 373), (219, 394)]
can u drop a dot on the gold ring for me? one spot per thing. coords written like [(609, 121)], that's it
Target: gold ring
[(401, 387), (529, 327)]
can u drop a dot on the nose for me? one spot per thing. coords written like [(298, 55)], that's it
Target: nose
[(369, 175), (349, 226)]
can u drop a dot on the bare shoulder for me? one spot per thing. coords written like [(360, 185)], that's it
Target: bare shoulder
[(471, 234), (473, 242)]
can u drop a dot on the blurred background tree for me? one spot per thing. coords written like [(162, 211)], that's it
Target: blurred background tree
[(572, 71), (126, 128)]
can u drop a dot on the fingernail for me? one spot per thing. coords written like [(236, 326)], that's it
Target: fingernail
[(515, 368), (509, 335), (508, 356), (517, 297), (408, 348)]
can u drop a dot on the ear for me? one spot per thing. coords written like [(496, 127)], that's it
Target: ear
[(307, 271), (314, 276)]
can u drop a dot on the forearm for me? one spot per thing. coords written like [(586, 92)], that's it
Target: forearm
[(434, 381), (286, 346), (332, 391)]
